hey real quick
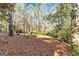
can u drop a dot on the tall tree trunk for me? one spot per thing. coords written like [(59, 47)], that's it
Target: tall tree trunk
[(74, 17), (10, 24), (73, 23)]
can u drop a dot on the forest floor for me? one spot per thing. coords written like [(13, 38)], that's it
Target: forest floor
[(32, 45)]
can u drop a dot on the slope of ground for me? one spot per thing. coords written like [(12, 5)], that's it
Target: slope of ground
[(32, 46)]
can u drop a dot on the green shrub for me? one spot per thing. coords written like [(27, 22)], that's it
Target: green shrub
[(75, 50), (65, 35), (53, 34), (41, 33)]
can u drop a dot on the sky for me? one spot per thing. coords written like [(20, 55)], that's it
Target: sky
[(45, 7)]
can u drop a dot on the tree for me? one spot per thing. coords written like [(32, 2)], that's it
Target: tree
[(8, 8), (73, 18), (61, 21), (10, 14), (73, 22)]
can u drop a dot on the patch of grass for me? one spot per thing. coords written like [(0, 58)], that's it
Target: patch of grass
[(42, 36), (75, 50)]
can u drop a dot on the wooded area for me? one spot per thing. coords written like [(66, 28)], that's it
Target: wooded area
[(39, 29)]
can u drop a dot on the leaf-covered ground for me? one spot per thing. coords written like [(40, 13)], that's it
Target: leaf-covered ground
[(32, 46)]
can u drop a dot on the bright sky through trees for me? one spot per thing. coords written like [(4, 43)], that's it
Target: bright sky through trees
[(45, 7)]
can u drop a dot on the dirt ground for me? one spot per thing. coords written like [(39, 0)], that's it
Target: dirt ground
[(32, 46)]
